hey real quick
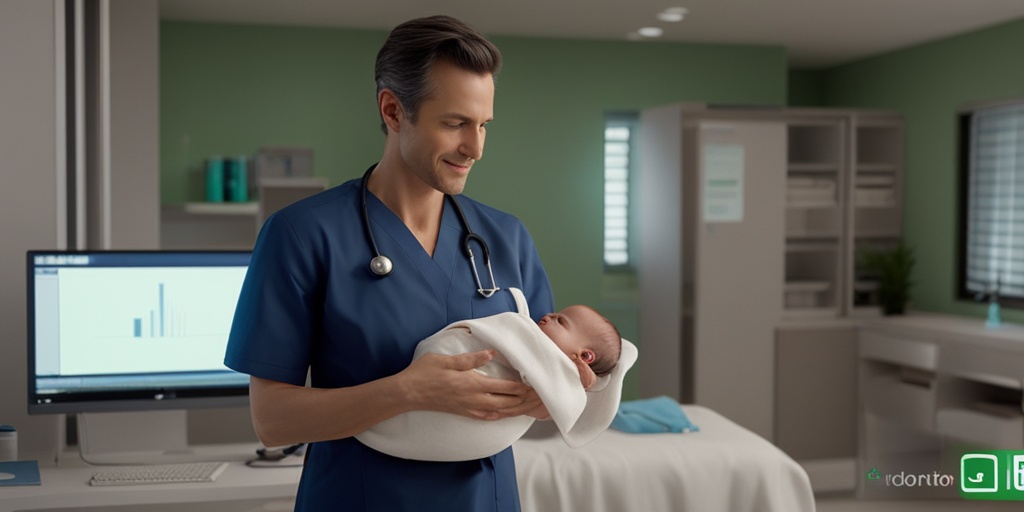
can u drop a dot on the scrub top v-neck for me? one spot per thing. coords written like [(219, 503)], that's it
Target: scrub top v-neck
[(310, 301)]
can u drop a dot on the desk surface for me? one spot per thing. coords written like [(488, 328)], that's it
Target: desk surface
[(953, 328), (68, 487)]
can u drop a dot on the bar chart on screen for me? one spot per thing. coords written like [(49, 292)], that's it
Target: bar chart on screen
[(149, 334)]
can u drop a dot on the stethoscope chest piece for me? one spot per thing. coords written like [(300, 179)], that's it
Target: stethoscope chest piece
[(381, 265)]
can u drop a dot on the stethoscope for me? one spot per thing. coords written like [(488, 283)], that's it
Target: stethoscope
[(381, 265)]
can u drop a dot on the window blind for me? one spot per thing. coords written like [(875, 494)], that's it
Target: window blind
[(617, 138), (994, 245)]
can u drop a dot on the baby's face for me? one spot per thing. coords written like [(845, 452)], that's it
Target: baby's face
[(572, 330)]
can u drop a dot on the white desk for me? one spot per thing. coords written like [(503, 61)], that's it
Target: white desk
[(933, 386), (68, 487)]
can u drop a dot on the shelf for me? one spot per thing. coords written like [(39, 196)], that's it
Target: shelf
[(876, 180), (876, 206), (810, 313), (807, 286), (806, 295), (877, 233), (865, 286), (812, 205), (814, 167), (865, 297), (804, 246), (208, 226), (820, 222), (226, 208), (876, 167), (811, 235), (873, 311), (868, 195)]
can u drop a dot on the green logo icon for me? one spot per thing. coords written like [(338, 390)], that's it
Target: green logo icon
[(874, 474), (992, 475), (979, 473)]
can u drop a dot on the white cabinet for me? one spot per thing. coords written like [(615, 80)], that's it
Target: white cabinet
[(749, 225), (712, 212)]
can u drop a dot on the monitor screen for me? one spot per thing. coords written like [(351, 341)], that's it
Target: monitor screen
[(132, 330)]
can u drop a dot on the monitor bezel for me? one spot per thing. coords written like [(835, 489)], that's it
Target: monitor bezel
[(151, 399)]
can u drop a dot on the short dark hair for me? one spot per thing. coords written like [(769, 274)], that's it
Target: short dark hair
[(412, 48)]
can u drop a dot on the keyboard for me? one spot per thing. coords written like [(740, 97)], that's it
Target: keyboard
[(159, 474)]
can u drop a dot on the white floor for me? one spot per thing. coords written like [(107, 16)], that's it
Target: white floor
[(850, 504)]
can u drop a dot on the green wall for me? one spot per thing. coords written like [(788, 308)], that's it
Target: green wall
[(229, 89), (928, 83), (806, 88)]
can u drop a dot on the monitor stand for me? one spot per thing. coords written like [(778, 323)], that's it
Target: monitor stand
[(151, 437)]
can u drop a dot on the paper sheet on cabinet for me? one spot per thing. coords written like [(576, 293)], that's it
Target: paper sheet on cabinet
[(723, 182)]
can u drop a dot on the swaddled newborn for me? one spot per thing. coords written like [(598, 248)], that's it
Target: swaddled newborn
[(574, 359)]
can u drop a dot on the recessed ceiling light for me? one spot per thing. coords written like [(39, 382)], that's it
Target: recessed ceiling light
[(673, 14), (651, 31)]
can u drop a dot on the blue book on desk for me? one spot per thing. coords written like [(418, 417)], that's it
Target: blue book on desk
[(21, 472)]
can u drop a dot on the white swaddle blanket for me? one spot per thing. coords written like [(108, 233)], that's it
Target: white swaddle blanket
[(524, 353)]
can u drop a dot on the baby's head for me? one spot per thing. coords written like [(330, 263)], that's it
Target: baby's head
[(590, 340)]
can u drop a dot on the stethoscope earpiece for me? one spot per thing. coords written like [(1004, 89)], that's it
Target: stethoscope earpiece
[(381, 265)]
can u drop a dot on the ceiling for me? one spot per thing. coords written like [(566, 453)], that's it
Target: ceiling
[(817, 33)]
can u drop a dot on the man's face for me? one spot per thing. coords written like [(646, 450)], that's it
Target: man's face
[(448, 135)]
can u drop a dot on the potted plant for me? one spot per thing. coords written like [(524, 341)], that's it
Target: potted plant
[(892, 270)]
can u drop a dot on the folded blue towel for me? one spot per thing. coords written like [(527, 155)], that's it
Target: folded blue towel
[(652, 416)]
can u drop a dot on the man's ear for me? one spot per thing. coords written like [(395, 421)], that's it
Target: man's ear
[(390, 109)]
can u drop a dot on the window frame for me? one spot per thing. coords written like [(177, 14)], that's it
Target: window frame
[(965, 117)]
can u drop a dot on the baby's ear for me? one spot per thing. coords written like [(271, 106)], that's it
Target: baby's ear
[(587, 375)]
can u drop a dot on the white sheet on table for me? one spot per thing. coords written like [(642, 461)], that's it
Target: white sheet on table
[(724, 467)]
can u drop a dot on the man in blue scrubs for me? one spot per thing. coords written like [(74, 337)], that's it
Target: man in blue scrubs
[(310, 301)]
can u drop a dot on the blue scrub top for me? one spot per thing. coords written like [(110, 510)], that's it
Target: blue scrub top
[(310, 301)]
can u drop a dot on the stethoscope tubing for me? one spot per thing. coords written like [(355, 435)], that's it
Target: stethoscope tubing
[(381, 265)]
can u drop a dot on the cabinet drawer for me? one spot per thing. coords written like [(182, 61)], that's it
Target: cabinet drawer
[(998, 432), (880, 346), (911, 405)]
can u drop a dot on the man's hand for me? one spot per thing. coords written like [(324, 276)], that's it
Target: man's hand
[(448, 384)]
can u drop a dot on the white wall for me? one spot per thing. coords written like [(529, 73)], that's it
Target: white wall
[(31, 201), (135, 123), (28, 193)]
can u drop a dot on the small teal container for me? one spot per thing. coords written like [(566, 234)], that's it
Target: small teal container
[(238, 180), (993, 321), (215, 179)]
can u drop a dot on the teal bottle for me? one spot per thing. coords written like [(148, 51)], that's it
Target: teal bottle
[(239, 186), (215, 179), (994, 320)]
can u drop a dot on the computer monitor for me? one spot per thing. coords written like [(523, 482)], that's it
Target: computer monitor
[(127, 331)]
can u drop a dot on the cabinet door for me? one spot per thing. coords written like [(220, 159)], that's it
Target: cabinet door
[(738, 268), (876, 199), (816, 392), (815, 217)]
